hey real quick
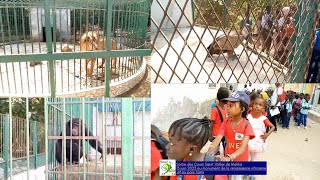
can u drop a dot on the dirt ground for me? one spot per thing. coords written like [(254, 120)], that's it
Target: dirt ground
[(290, 157)]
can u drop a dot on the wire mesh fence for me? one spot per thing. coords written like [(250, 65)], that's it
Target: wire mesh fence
[(98, 138), (203, 41), (65, 46)]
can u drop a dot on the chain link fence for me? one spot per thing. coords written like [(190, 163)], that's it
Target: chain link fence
[(217, 41)]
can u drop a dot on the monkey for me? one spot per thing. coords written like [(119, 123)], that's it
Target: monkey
[(90, 41), (76, 144)]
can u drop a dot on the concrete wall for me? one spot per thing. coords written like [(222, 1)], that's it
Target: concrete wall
[(173, 11), (184, 100), (116, 130), (62, 23)]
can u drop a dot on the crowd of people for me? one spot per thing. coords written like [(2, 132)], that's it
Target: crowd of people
[(276, 31), (237, 130)]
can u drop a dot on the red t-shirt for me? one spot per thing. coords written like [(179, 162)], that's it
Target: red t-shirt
[(216, 119), (155, 159), (234, 143)]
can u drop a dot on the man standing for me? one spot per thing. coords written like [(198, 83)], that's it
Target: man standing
[(275, 103), (267, 25)]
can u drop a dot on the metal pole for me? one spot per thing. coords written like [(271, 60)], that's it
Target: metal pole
[(127, 138), (27, 118)]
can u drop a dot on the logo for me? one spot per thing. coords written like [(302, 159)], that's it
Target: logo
[(235, 95), (167, 167)]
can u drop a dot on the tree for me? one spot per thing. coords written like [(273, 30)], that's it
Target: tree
[(214, 12), (36, 107)]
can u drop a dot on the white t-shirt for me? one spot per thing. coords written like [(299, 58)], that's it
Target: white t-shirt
[(277, 92), (281, 22)]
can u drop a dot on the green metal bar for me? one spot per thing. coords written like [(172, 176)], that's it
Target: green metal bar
[(83, 134), (10, 134), (49, 45), (127, 138), (64, 138), (114, 146), (46, 122), (35, 143), (6, 145), (104, 138), (108, 22), (71, 55), (28, 127)]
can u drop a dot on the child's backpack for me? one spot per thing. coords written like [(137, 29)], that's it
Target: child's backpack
[(257, 144), (160, 140)]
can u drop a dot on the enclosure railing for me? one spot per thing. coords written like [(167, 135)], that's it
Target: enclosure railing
[(40, 44), (121, 125), (204, 41), (21, 145)]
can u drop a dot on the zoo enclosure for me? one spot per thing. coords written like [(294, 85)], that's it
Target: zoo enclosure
[(120, 124), (182, 31), (33, 33), (22, 144)]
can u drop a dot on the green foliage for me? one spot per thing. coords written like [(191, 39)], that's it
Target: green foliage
[(36, 107), (214, 12)]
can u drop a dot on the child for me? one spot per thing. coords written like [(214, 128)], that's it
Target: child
[(218, 114), (158, 152), (305, 107), (259, 123), (253, 96), (298, 107), (288, 110), (283, 111), (237, 129), (294, 109), (186, 138)]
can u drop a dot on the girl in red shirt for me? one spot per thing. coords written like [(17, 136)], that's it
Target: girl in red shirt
[(237, 129), (186, 138)]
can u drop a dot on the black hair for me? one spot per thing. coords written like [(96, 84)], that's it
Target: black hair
[(269, 7), (254, 96), (223, 92), (307, 95), (195, 131), (296, 96), (290, 97), (246, 107)]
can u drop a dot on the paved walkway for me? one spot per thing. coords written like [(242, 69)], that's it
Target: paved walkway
[(184, 60), (293, 154)]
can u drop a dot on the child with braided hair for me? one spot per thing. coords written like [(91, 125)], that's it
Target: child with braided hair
[(187, 136)]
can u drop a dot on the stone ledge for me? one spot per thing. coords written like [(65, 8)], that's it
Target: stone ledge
[(116, 88), (120, 87)]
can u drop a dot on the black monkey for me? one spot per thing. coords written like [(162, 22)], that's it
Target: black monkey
[(77, 145)]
